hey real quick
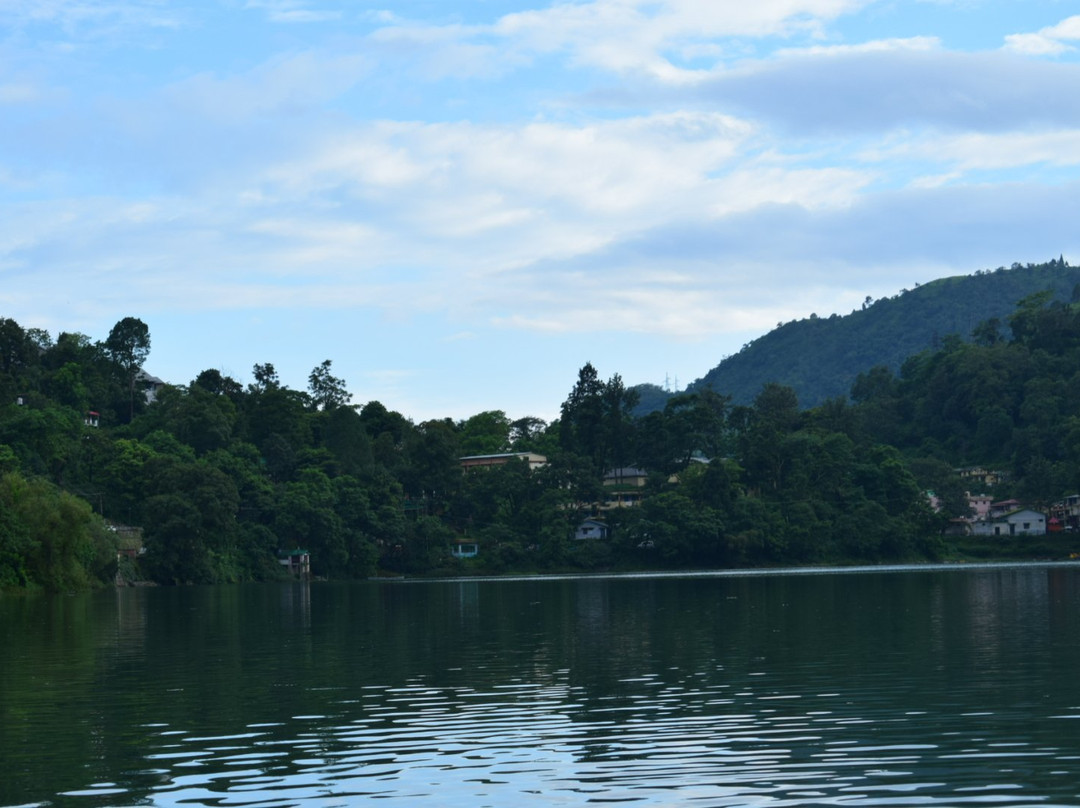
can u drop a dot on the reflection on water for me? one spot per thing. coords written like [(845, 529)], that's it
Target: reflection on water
[(899, 688)]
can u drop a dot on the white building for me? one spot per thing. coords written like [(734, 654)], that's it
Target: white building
[(1019, 522)]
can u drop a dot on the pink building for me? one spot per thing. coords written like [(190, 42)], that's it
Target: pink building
[(980, 505)]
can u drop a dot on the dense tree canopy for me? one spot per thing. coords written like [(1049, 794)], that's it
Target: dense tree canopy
[(128, 345), (819, 357), (223, 479)]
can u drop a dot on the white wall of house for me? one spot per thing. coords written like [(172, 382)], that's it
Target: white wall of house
[(591, 529), (1026, 523)]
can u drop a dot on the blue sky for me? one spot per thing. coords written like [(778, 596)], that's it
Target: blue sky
[(459, 204)]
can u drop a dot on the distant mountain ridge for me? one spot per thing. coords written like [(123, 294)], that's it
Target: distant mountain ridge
[(819, 357)]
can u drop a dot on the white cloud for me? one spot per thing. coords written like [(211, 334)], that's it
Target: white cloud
[(979, 151), (445, 178), (81, 18), (763, 183), (293, 11), (647, 27), (655, 171), (643, 37), (916, 43), (1035, 45), (855, 91), (440, 217), (688, 314), (1050, 41)]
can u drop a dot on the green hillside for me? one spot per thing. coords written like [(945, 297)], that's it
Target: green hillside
[(216, 482), (820, 357)]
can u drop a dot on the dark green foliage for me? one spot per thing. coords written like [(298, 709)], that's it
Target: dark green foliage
[(15, 346), (651, 398), (820, 357), (1010, 405), (595, 423), (50, 538), (222, 479), (487, 433), (431, 470), (213, 381), (531, 434), (306, 518), (343, 433), (46, 440), (128, 346), (176, 541), (16, 546), (327, 391)]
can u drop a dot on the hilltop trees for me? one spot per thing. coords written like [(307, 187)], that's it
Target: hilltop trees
[(820, 357), (15, 346), (327, 391), (128, 346), (223, 477), (596, 420), (486, 433), (1010, 404)]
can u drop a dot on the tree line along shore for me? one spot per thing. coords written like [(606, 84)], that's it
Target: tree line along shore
[(107, 472)]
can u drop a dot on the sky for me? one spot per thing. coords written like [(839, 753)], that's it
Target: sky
[(461, 203)]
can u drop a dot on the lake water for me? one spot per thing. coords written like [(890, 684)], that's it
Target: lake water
[(929, 687)]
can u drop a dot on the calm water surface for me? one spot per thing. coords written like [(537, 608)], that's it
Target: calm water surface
[(853, 689)]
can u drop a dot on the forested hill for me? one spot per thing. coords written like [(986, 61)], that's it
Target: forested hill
[(217, 482), (820, 357)]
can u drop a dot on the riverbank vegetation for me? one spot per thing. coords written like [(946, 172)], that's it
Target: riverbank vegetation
[(222, 478)]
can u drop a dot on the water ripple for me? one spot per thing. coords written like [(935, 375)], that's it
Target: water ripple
[(530, 743), (925, 690)]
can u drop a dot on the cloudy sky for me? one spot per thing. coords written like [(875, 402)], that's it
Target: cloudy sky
[(460, 203)]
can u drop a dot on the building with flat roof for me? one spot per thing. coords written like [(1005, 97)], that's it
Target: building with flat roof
[(534, 460)]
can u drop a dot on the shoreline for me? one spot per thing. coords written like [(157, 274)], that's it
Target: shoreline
[(754, 572)]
